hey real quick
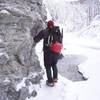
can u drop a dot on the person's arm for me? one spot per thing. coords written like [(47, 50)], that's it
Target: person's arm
[(38, 37)]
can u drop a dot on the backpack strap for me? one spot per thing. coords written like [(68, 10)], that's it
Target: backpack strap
[(62, 32), (50, 39)]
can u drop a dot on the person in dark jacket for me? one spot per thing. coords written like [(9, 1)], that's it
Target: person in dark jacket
[(50, 58)]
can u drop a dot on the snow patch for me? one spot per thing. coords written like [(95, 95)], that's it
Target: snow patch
[(21, 84), (5, 12)]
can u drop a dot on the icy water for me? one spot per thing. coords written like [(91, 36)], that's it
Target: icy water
[(68, 67)]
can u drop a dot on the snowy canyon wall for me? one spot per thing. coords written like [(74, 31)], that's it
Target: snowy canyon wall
[(18, 18), (75, 15)]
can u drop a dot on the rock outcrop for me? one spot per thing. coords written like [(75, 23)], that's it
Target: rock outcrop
[(20, 21)]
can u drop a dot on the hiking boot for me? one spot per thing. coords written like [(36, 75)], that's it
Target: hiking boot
[(55, 80), (51, 84)]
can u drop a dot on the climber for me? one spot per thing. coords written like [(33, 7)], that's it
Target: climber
[(52, 45)]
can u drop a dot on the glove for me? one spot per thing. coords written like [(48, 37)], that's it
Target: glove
[(34, 44)]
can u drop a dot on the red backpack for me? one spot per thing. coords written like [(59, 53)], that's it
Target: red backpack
[(56, 42), (56, 47)]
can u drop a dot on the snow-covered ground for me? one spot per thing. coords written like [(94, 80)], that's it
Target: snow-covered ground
[(61, 91), (90, 89), (75, 44), (66, 89), (81, 43), (83, 90)]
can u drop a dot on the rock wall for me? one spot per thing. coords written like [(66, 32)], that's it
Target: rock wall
[(20, 21)]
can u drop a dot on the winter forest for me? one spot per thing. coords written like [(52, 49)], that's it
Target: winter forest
[(76, 14), (22, 71)]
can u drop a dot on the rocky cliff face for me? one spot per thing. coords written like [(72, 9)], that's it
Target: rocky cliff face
[(18, 18)]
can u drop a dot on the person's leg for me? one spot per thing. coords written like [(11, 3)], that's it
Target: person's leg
[(54, 67), (49, 74), (49, 81), (47, 64), (55, 71), (48, 61)]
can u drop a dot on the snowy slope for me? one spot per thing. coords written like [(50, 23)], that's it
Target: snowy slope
[(61, 91), (84, 90), (90, 89), (92, 32), (70, 14)]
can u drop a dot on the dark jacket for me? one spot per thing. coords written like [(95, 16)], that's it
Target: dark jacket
[(50, 58), (43, 34)]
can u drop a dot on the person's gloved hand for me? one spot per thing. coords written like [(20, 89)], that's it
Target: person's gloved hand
[(34, 44)]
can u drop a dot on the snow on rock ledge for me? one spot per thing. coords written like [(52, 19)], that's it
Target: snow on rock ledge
[(18, 58)]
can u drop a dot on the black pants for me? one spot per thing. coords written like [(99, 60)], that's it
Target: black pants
[(50, 63), (51, 75)]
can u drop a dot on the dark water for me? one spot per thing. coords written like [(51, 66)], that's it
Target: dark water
[(68, 67)]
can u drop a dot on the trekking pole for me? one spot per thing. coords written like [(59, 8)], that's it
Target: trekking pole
[(62, 35)]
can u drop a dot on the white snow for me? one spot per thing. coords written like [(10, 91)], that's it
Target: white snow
[(72, 16), (4, 12), (75, 43), (21, 84), (66, 89), (61, 91), (90, 89)]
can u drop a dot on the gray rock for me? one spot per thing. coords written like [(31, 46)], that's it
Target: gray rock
[(24, 92), (34, 93), (2, 45), (20, 21), (8, 92), (3, 58)]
